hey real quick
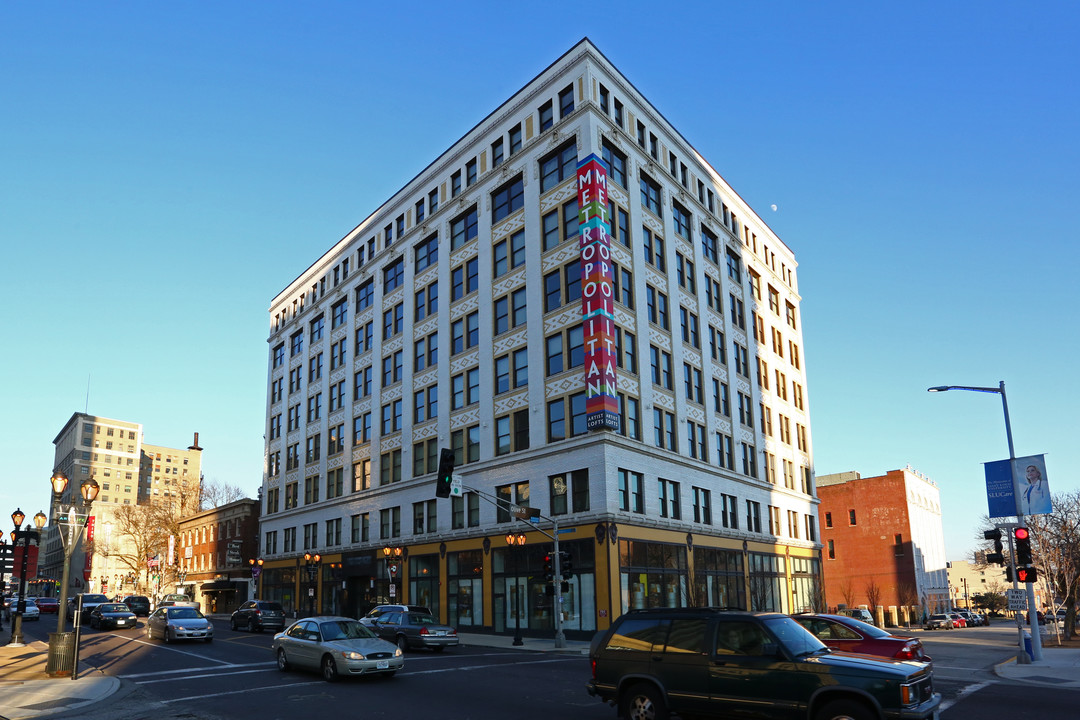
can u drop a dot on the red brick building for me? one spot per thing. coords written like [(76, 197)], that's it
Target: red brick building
[(214, 548), (884, 548)]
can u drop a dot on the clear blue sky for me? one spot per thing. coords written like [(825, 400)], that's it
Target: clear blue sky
[(167, 169)]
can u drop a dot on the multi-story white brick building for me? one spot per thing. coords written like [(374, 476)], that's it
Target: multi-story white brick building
[(459, 315)]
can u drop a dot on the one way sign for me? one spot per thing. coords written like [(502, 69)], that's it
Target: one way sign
[(7, 559)]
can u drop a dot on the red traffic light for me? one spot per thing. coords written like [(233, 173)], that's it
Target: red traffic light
[(1021, 533), (1027, 574)]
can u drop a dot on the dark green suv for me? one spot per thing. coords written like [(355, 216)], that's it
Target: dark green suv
[(712, 662)]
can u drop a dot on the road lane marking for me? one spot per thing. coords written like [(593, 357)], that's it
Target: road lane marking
[(964, 692), (182, 652), (216, 673), (236, 692), (194, 669)]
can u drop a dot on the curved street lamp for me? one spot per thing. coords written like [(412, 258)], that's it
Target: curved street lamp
[(312, 564), (1036, 642)]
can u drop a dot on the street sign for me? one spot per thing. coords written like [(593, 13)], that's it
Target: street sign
[(1017, 599), (524, 513), (393, 590)]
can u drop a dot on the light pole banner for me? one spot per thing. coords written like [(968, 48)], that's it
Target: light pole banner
[(1030, 473), (999, 489)]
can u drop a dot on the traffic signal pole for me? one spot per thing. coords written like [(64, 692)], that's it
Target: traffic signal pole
[(1033, 611)]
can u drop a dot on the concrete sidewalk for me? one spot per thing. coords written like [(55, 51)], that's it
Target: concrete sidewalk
[(27, 692), (1059, 667)]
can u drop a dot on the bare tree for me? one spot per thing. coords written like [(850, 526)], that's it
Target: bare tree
[(908, 593), (215, 493), (1057, 551), (847, 591), (873, 596), (142, 532)]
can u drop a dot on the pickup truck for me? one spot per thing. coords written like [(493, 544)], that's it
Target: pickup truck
[(179, 600)]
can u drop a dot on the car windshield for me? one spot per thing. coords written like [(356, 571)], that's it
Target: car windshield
[(30, 602), (113, 607), (184, 613), (344, 630), (796, 639), (94, 599), (176, 598)]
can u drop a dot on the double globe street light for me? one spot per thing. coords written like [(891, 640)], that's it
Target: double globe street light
[(26, 536), (62, 649)]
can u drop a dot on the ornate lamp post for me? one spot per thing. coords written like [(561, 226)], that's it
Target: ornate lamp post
[(3, 587), (393, 557), (26, 536), (515, 541), (60, 642), (311, 563), (256, 570)]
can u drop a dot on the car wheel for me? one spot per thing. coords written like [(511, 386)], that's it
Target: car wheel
[(844, 710), (282, 662), (329, 669), (403, 643), (642, 702), (165, 635), (233, 624)]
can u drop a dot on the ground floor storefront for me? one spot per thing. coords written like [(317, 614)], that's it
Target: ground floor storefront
[(484, 584)]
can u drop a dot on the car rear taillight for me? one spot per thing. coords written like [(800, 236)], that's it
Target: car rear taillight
[(910, 651), (423, 631), (592, 663)]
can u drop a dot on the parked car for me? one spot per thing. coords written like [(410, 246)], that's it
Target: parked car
[(380, 609), (183, 622), (336, 646), (30, 611), (414, 630), (858, 613), (840, 632), (258, 615), (957, 620), (138, 604), (177, 600), (112, 615), (709, 661), (89, 602), (939, 621), (48, 605)]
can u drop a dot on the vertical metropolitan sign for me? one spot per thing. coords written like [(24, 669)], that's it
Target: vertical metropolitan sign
[(597, 296)]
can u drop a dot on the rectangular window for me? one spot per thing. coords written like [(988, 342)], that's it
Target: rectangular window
[(547, 116), (650, 195), (508, 199), (393, 275), (558, 166), (566, 101), (616, 162), (631, 491), (702, 506), (497, 153), (669, 499)]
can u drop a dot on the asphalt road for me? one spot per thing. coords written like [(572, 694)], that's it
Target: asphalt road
[(235, 678)]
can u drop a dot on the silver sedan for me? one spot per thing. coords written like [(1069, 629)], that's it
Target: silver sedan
[(335, 646), (179, 623)]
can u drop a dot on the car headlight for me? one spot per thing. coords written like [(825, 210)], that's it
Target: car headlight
[(398, 652), (352, 655)]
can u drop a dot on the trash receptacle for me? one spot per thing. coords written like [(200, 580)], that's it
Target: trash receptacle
[(1027, 645), (61, 659)]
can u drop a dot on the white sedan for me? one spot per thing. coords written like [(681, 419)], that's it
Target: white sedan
[(173, 622)]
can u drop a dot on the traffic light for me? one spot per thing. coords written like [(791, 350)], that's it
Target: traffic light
[(566, 566), (1023, 546), (1008, 573), (1027, 574), (998, 556), (549, 570), (446, 471)]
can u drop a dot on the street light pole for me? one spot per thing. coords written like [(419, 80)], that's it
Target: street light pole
[(3, 587), (57, 662), (515, 541), (1036, 641), (26, 536), (312, 563)]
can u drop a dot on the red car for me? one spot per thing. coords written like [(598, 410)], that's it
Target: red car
[(48, 605), (850, 635)]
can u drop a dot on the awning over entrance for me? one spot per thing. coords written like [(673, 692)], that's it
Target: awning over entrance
[(219, 586)]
